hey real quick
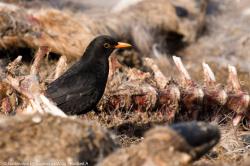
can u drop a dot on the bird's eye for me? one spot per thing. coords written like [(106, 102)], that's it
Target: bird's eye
[(106, 45)]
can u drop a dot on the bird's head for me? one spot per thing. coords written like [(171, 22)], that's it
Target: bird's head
[(104, 45)]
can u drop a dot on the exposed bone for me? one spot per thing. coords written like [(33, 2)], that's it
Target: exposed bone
[(61, 66), (213, 92), (128, 88), (233, 80), (43, 105), (12, 67), (133, 89), (158, 75), (42, 51), (184, 73), (191, 94), (209, 77), (238, 101), (216, 94), (17, 85), (28, 86)]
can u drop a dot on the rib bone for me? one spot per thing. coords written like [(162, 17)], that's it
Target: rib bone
[(28, 86), (238, 101), (133, 89), (191, 94), (181, 68), (214, 92), (209, 77)]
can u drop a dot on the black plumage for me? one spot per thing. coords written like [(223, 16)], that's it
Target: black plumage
[(81, 87)]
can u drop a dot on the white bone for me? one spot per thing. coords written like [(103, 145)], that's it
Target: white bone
[(181, 68), (208, 72), (233, 77)]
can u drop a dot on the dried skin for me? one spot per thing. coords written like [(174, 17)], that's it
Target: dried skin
[(70, 141), (161, 146), (68, 34)]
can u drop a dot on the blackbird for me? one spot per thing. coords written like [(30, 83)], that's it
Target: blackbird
[(81, 87)]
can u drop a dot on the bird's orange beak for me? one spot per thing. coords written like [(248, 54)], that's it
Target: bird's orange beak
[(123, 45)]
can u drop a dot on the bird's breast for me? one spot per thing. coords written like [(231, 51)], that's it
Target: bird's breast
[(101, 71)]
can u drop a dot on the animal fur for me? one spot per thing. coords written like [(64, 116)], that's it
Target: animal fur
[(144, 23)]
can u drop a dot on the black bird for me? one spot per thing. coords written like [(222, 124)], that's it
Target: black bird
[(81, 87)]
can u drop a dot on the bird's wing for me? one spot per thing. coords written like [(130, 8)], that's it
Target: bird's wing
[(62, 96), (70, 84), (75, 95), (76, 102)]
